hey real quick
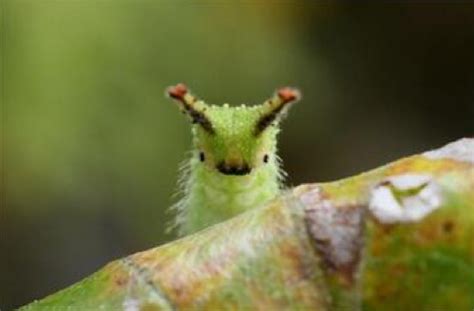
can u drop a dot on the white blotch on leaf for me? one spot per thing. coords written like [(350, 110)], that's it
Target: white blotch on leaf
[(131, 304), (405, 198), (461, 150)]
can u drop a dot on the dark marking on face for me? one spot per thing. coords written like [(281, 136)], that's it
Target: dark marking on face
[(285, 96), (180, 93), (233, 169), (199, 118), (265, 158), (266, 120)]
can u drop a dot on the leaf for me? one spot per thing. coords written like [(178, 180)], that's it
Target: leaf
[(395, 238)]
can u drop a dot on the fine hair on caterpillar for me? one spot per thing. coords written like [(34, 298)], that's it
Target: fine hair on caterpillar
[(233, 165)]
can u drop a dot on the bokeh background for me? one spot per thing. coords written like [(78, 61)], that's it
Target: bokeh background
[(91, 147)]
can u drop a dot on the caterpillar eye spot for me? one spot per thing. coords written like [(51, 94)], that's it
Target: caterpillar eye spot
[(202, 156), (265, 158)]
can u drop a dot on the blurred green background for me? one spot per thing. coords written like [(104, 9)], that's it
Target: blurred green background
[(91, 147)]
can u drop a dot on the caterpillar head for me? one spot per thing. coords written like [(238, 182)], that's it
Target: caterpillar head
[(235, 140)]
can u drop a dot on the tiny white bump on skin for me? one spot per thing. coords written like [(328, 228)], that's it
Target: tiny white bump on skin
[(408, 208), (460, 150)]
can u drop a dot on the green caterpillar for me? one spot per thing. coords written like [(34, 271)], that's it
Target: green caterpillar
[(234, 166)]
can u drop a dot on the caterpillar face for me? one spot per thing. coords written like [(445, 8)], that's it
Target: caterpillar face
[(233, 148), (238, 169), (234, 141)]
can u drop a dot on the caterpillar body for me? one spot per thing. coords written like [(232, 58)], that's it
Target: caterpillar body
[(234, 166)]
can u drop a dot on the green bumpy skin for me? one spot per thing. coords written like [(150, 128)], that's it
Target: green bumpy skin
[(234, 166)]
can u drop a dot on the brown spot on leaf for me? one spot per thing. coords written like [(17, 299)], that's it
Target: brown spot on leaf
[(337, 233), (448, 226), (120, 280)]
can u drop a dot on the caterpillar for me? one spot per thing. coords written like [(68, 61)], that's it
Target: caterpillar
[(233, 166)]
